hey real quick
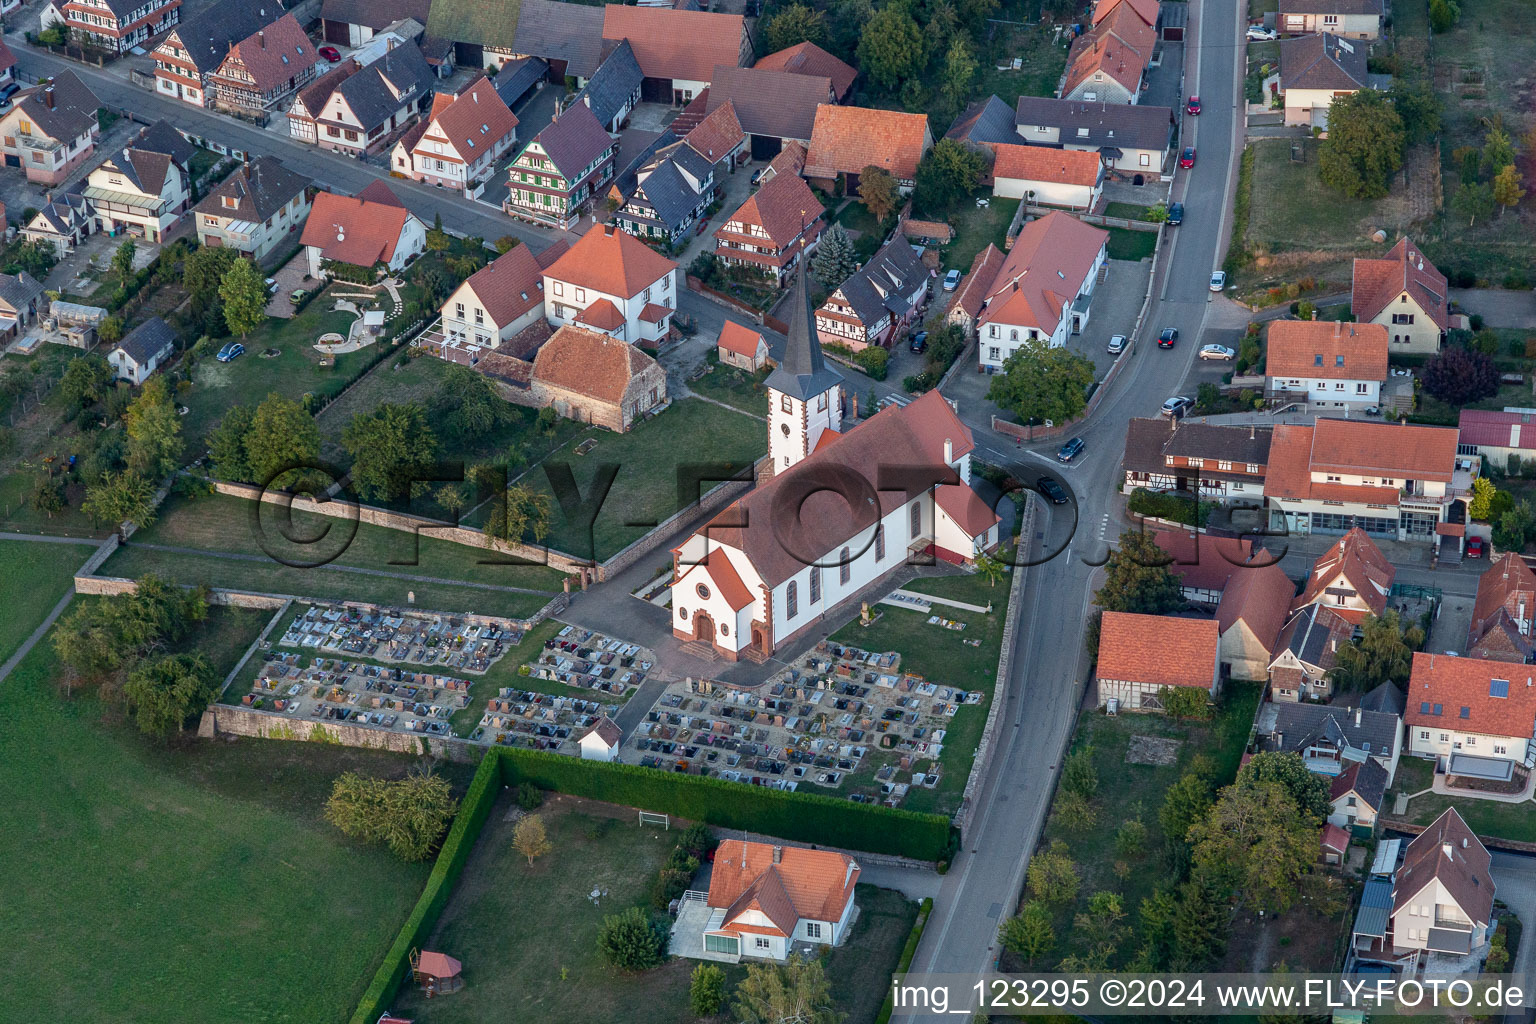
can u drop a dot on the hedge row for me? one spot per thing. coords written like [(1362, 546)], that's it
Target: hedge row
[(1173, 507), (904, 963), (805, 817), (478, 801)]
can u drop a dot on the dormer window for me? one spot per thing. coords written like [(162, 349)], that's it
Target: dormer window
[(231, 203)]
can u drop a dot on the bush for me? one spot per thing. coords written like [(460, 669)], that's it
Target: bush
[(529, 796), (632, 941), (1173, 507), (1476, 321), (918, 383), (873, 361), (706, 990)]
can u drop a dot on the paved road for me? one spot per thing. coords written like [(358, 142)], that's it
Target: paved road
[(1047, 684)]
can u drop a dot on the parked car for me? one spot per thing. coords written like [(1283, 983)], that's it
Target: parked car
[(298, 295), (10, 89), (1218, 280), (1052, 490), (1260, 34), (1193, 106), (1071, 450), (1475, 547), (1187, 158), (1216, 352), (229, 353), (1168, 337), (1176, 214), (757, 175), (952, 280), (1178, 405), (330, 53), (919, 341), (1117, 344), (271, 286)]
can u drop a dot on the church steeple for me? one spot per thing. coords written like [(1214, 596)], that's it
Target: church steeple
[(804, 395)]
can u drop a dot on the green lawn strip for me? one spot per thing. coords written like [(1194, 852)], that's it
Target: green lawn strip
[(1042, 59), (1293, 211), (975, 228), (1515, 822), (198, 881), (860, 969), (1126, 244), (649, 458), (42, 573), (734, 387), (941, 656), (1131, 211)]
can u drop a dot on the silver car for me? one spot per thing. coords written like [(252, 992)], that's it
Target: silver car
[(1216, 352), (1117, 344)]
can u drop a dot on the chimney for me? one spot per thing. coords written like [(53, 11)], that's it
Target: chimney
[(48, 97), (778, 854), (1463, 842), (1251, 431), (608, 230), (1357, 718), (949, 451), (261, 38)]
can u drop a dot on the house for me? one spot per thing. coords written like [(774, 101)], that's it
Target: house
[(569, 36), (972, 292), (878, 301), (1334, 843), (752, 581), (20, 302), (253, 209), (1047, 177), (764, 899), (1475, 717), (810, 59), (187, 58), (1330, 365), (50, 128), (495, 304), (678, 50), (1353, 578), (772, 106), (981, 128), (1350, 19), (672, 191), (142, 351), (601, 741), (138, 192), (63, 224), (614, 88), (1130, 139), (846, 140), (304, 114), (741, 347), (1356, 795), (1393, 480), (1442, 898), (1203, 562), (1502, 612), (777, 225), (460, 141), (1217, 462), (1305, 653), (116, 26), (791, 160), (264, 69), (1043, 289), (365, 109), (1108, 63), (161, 137), (365, 230), (560, 169), (1329, 739), (1505, 439), (1252, 612), (354, 22), (592, 377), (1142, 655), (611, 281), (1314, 70), (1405, 294), (718, 137)]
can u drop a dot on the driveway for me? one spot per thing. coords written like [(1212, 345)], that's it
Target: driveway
[(1498, 307)]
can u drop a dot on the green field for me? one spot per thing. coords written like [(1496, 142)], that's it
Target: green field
[(43, 573), (1126, 244), (975, 228)]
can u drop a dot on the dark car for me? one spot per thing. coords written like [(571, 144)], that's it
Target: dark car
[(230, 352), (1187, 158), (1052, 490), (1176, 214), (10, 89), (757, 175), (330, 53), (1071, 450), (1193, 106), (919, 341), (1167, 338)]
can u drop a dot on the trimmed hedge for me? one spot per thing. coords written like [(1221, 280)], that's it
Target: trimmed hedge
[(904, 963), (478, 801), (805, 817)]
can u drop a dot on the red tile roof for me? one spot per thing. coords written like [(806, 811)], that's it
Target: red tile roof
[(743, 341), (978, 283), (810, 59), (670, 43), (782, 208), (1204, 561), (1146, 10), (1117, 47), (589, 363), (1451, 852), (274, 54), (718, 564), (1158, 649), (354, 230), (508, 286), (816, 884), (1317, 348), (654, 312), (610, 260), (967, 508), (376, 191), (1496, 429), (603, 315), (606, 730), (1260, 597), (1041, 163), (1404, 269), (1393, 451), (845, 140), (1048, 262), (438, 965), (1455, 683), (1357, 559), (1335, 838), (719, 134), (1508, 583), (475, 121)]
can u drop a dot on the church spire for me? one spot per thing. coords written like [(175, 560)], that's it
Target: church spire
[(802, 373)]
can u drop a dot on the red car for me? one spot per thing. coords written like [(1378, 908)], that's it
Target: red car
[(1475, 547), (1187, 158), (1193, 106), (330, 53)]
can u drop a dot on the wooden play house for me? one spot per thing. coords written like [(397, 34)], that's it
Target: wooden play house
[(437, 973)]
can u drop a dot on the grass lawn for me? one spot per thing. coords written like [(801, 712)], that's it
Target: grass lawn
[(1126, 244), (1487, 817), (735, 388), (18, 515), (555, 972), (186, 882), (42, 574), (942, 656), (1130, 211), (1128, 790), (866, 232), (1043, 61), (648, 458), (975, 227)]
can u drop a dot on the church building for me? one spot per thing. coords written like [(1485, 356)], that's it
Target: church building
[(840, 509)]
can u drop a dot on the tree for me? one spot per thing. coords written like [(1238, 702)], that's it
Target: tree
[(506, 243), (1052, 877), (1364, 147), (122, 261), (1136, 578), (1483, 492), (33, 256), (706, 990), (100, 638), (1383, 653), (244, 295), (878, 192), (165, 694), (947, 175), (1078, 774), (1256, 841), (1101, 923), (1200, 924), (48, 495), (1443, 14), (1030, 934), (1189, 702), (1473, 200), (282, 435), (1156, 214), (1041, 383), (154, 431), (793, 25), (1515, 526), (834, 260), (227, 445), (391, 447), (959, 72), (632, 941), (111, 329), (467, 404), (437, 239), (119, 498), (407, 815), (1458, 376), (520, 512), (892, 48), (990, 568), (1418, 105), (1074, 811), (1308, 789), (86, 381), (1131, 839), (1508, 188), (530, 838), (1498, 150), (797, 990), (1184, 803)]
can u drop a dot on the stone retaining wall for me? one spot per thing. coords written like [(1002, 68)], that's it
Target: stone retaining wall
[(228, 720)]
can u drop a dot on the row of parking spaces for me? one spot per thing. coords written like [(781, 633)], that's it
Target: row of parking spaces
[(539, 721), (462, 643), (331, 689), (583, 658)]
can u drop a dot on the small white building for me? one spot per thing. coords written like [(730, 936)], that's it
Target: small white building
[(601, 741), (1314, 71), (610, 281), (764, 899), (1353, 19), (1071, 178), (143, 350)]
